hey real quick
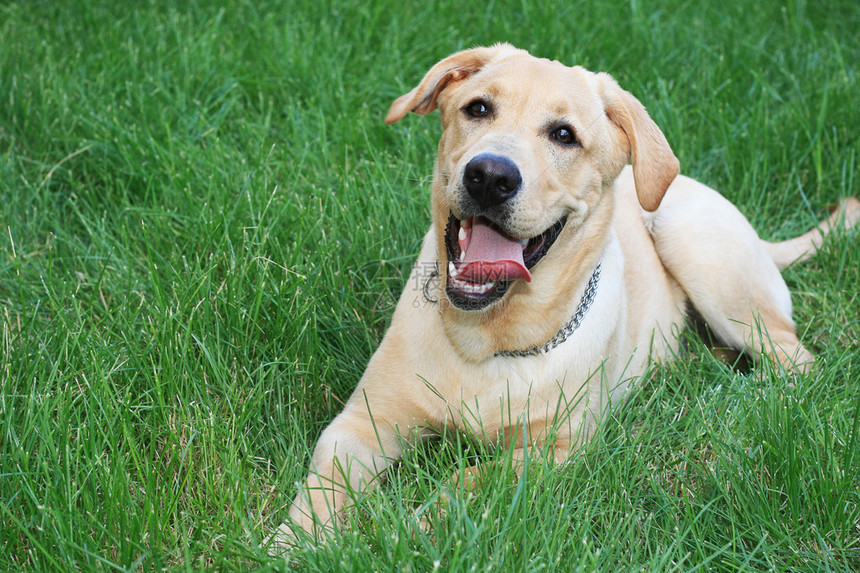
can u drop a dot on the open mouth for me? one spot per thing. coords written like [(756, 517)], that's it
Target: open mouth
[(483, 261)]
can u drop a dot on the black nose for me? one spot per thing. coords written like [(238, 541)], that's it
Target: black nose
[(491, 180)]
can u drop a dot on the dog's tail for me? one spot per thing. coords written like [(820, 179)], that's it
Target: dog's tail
[(846, 214)]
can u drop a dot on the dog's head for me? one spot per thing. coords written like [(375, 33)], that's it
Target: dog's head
[(529, 148)]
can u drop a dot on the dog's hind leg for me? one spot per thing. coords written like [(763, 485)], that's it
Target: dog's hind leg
[(727, 272)]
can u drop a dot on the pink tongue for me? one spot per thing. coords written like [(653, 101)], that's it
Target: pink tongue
[(491, 256)]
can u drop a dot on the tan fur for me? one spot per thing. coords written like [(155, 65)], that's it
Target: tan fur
[(664, 241)]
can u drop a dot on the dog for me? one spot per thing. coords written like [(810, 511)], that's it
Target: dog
[(554, 274)]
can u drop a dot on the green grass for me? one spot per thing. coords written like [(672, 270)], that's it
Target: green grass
[(204, 225)]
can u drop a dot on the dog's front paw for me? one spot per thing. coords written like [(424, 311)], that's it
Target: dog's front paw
[(283, 541), (302, 526), (466, 482)]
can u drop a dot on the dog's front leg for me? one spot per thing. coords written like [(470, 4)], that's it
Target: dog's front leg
[(391, 398), (349, 456)]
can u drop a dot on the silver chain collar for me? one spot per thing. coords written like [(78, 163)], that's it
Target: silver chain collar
[(567, 329), (561, 335)]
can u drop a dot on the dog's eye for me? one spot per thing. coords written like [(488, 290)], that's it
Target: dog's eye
[(478, 108), (564, 135)]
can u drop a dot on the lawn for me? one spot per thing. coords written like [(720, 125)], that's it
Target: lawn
[(204, 226)]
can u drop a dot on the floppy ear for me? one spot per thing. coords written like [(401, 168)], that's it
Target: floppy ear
[(654, 164), (456, 67)]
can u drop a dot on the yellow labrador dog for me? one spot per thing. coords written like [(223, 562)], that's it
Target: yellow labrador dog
[(552, 275)]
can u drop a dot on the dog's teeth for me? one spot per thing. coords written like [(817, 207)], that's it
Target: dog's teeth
[(466, 223), (524, 242), (473, 288), (452, 270), (462, 240)]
